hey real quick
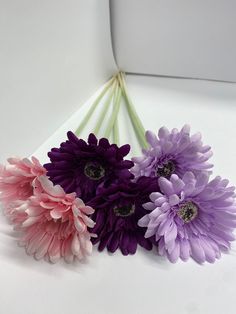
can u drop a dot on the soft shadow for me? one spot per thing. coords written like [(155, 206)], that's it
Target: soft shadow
[(154, 259), (13, 253), (213, 90)]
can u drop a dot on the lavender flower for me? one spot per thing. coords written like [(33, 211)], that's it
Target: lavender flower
[(118, 209), (191, 217), (172, 152), (81, 167)]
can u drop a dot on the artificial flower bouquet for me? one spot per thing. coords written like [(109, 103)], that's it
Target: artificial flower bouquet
[(91, 194)]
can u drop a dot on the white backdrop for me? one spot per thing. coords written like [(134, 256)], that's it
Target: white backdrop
[(143, 283), (53, 55), (36, 41), (186, 38)]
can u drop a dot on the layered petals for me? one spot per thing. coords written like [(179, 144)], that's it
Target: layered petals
[(191, 217), (118, 209), (172, 152), (53, 224), (16, 179), (81, 167)]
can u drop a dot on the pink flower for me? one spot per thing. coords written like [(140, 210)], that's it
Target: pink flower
[(16, 179), (53, 224)]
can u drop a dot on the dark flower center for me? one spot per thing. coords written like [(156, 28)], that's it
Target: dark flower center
[(188, 211), (166, 170), (94, 170), (124, 211)]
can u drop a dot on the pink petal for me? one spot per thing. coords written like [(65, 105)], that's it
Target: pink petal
[(30, 221), (79, 225), (54, 250), (34, 242), (53, 190), (75, 245), (43, 246), (68, 255), (87, 210), (55, 214)]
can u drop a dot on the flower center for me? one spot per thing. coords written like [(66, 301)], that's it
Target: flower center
[(94, 171), (188, 211), (166, 170), (124, 211)]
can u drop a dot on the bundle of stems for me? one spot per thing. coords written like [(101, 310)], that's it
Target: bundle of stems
[(115, 92)]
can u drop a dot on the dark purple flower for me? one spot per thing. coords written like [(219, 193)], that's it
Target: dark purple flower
[(172, 152), (191, 217), (117, 211), (81, 167)]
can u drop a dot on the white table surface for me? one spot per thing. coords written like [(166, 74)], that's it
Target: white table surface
[(143, 283)]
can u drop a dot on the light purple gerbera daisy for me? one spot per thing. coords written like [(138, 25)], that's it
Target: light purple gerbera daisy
[(172, 152), (191, 217)]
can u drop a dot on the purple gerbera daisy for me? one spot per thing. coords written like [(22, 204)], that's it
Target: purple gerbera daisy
[(172, 152), (81, 167), (118, 209), (191, 217)]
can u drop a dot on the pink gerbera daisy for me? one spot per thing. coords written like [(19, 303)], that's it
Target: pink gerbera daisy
[(53, 224), (16, 179)]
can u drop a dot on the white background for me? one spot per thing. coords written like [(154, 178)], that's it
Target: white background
[(53, 55), (140, 284), (185, 38), (144, 283)]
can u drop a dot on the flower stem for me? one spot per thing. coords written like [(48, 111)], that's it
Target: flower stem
[(105, 108), (117, 100), (116, 136), (93, 107), (136, 122)]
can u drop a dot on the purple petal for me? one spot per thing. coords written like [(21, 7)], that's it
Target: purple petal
[(184, 250), (132, 247), (197, 251), (114, 242), (92, 140), (151, 138), (166, 186), (124, 150), (174, 255)]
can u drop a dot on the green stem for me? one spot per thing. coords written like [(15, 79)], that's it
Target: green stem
[(116, 137), (105, 108), (93, 107), (114, 112), (136, 122)]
